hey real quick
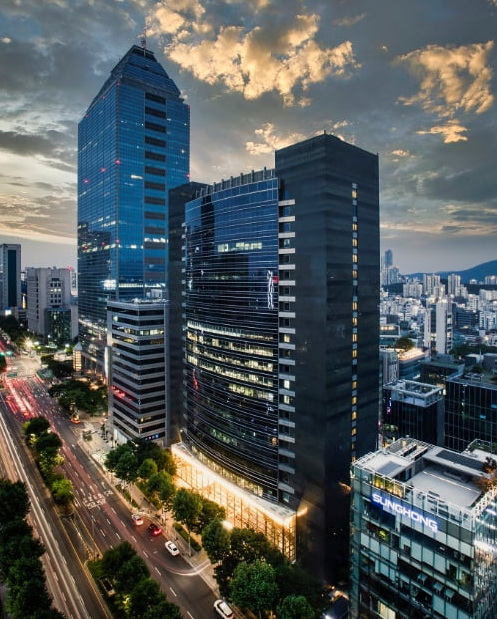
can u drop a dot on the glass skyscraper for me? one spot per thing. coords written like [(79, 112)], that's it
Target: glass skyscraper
[(281, 343), (133, 146)]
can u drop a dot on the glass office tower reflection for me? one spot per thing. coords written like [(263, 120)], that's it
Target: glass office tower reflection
[(232, 330), (133, 146)]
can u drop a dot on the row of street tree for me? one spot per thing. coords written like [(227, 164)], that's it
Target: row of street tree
[(248, 569), (21, 568), (135, 594)]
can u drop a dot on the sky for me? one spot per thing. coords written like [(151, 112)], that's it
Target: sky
[(414, 81)]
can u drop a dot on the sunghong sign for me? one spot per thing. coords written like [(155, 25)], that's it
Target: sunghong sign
[(394, 507)]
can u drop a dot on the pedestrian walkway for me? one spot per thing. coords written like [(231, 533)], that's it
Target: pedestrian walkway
[(98, 448)]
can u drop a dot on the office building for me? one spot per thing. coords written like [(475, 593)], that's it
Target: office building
[(138, 397), (435, 369), (470, 410), (410, 363), (50, 312), (281, 343), (424, 538), (133, 146), (10, 278), (411, 408)]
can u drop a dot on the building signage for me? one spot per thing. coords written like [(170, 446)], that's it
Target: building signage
[(397, 508)]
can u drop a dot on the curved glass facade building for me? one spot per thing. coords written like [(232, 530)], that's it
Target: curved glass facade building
[(231, 344), (133, 146)]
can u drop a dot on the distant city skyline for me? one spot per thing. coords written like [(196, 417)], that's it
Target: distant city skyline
[(414, 82)]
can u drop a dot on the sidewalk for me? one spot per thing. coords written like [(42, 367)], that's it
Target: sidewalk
[(97, 448)]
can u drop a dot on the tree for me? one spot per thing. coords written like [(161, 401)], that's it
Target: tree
[(294, 580), (114, 455), (216, 541), (163, 610), (115, 557), (36, 426), (162, 457), (145, 595), (126, 468), (210, 511), (62, 491), (404, 344), (14, 501), (253, 586), (249, 545), (147, 468), (50, 441), (130, 573), (295, 607), (187, 507)]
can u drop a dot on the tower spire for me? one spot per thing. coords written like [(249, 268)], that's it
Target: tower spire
[(143, 37)]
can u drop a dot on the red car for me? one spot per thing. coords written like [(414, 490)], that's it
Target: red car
[(154, 529)]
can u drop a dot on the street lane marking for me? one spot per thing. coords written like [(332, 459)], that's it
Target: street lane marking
[(173, 592)]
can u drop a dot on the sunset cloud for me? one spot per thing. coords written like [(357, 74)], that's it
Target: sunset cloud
[(452, 79), (272, 54), (451, 132), (269, 141)]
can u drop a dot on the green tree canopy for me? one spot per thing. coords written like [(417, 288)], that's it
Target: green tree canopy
[(114, 455), (127, 467), (115, 557), (36, 426), (161, 485), (216, 541), (145, 596), (14, 501), (147, 468), (131, 572), (253, 586), (403, 343), (187, 507), (62, 491), (295, 607), (163, 610), (210, 511)]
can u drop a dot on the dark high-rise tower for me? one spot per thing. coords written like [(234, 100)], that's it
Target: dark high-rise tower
[(281, 342), (133, 147), (10, 277)]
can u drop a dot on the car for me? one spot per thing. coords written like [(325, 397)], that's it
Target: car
[(172, 548), (154, 529), (223, 610), (137, 519)]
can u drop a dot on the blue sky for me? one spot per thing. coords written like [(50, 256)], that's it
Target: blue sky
[(413, 81)]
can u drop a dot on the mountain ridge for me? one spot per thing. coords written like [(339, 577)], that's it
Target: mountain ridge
[(478, 272)]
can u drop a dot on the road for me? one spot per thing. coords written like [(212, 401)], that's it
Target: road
[(102, 517)]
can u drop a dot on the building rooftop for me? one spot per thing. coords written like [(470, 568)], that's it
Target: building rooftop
[(437, 476)]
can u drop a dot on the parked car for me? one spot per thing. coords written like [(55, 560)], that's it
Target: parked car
[(137, 519), (223, 610), (154, 529), (172, 548)]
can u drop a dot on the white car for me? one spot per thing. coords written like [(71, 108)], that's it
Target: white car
[(172, 548), (223, 610), (137, 519)]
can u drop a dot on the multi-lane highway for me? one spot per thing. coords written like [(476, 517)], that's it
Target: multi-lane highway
[(101, 519)]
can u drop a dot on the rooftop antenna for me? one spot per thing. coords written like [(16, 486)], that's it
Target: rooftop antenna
[(143, 38)]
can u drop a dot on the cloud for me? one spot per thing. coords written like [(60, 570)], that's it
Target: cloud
[(28, 216), (270, 141), (276, 52), (452, 132), (452, 79), (350, 21)]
